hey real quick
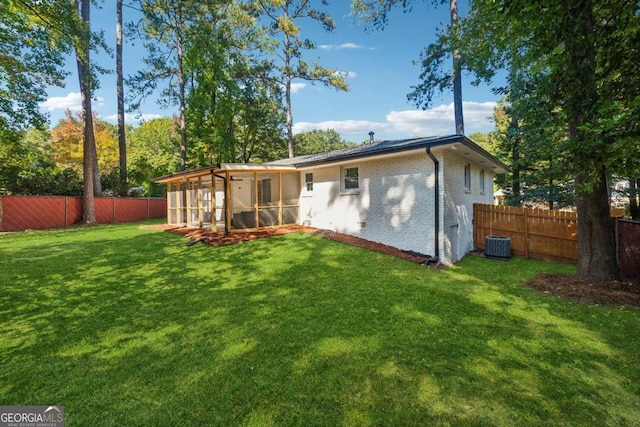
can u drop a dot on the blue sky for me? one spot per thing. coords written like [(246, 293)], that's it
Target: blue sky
[(379, 64)]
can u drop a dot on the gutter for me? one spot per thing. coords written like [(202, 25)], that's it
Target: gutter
[(436, 203)]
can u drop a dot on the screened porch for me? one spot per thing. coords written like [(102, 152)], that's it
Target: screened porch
[(233, 197)]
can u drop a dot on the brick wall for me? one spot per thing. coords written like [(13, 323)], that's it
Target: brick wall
[(18, 213), (458, 206), (395, 204), (391, 207)]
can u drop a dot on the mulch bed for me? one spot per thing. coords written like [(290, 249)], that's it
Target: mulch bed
[(615, 292), (218, 238)]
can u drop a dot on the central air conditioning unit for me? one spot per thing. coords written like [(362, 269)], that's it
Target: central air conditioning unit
[(497, 247)]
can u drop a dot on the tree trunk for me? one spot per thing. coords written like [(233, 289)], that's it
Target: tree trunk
[(516, 197), (596, 243), (633, 198), (596, 240), (181, 87), (457, 78), (89, 158), (287, 97), (290, 143), (122, 141)]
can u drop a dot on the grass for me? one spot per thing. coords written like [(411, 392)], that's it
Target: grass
[(129, 326)]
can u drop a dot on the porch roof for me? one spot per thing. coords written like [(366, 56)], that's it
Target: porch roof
[(224, 167)]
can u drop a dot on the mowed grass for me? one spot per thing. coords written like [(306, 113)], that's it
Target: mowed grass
[(130, 326)]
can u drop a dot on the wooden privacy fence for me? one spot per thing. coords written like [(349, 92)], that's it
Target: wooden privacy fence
[(18, 213), (534, 233)]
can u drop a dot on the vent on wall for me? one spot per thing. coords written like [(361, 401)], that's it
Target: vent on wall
[(497, 247)]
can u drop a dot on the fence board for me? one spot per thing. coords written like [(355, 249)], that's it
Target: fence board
[(534, 233), (18, 213)]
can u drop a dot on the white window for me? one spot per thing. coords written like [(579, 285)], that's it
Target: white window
[(308, 180), (467, 177), (350, 180), (482, 181)]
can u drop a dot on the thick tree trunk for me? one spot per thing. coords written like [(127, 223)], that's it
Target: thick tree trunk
[(457, 78), (122, 141), (596, 240)]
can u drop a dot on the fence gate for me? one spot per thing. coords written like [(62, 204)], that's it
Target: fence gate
[(628, 240)]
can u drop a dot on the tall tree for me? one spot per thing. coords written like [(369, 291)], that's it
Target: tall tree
[(284, 16), (164, 30), (456, 70), (434, 77), (233, 107), (122, 137), (579, 50), (91, 175)]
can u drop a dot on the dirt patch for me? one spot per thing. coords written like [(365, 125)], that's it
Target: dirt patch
[(218, 238), (614, 292)]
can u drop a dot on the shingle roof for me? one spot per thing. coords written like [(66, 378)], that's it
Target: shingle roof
[(471, 151), (387, 147)]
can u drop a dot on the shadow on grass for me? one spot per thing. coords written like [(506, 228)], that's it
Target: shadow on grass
[(132, 327)]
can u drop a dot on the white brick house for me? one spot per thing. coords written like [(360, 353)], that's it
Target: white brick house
[(383, 192)]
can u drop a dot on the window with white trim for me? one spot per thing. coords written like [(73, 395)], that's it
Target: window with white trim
[(467, 177), (350, 181), (482, 181)]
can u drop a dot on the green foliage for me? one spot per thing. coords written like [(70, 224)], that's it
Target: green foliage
[(319, 141), (234, 111), (300, 330), (33, 45), (27, 167), (153, 151)]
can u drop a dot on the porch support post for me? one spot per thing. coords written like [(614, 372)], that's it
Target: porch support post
[(280, 177), (227, 202), (213, 201), (255, 189), (199, 202)]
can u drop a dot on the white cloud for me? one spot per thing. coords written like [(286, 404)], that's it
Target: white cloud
[(341, 46), (346, 74), (297, 87), (411, 123), (133, 118), (72, 101), (343, 127)]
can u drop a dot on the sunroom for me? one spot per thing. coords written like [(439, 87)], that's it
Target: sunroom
[(233, 197)]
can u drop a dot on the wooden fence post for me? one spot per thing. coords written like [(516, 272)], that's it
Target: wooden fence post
[(526, 233)]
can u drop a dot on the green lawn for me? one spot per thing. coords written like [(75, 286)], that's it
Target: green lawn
[(131, 327)]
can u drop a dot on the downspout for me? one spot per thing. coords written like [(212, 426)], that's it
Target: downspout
[(436, 202)]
